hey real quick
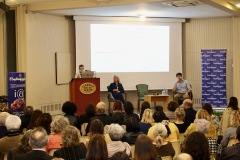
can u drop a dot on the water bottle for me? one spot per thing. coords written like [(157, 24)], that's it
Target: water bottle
[(166, 92)]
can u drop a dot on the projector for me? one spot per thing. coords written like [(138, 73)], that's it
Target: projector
[(4, 7)]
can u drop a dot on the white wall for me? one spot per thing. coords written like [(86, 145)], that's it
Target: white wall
[(47, 34)]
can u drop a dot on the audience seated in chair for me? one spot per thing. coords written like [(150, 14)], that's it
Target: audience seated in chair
[(190, 113), (3, 129), (38, 141), (196, 145), (100, 114), (172, 106), (26, 117), (144, 149), (23, 147), (116, 133), (36, 113), (180, 114), (44, 120), (13, 135), (57, 126), (120, 156), (232, 153), (72, 148), (158, 114), (117, 107), (145, 105), (146, 121), (128, 107), (97, 148), (184, 156)]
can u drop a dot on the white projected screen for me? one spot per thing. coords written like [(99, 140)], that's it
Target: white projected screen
[(138, 52), (129, 48)]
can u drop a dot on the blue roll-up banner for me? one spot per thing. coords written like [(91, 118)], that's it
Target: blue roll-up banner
[(17, 92), (214, 77)]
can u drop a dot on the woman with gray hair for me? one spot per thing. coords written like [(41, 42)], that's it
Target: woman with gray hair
[(3, 129), (57, 125), (116, 133), (163, 147)]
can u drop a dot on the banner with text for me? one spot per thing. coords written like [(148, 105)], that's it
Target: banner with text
[(214, 77), (16, 92)]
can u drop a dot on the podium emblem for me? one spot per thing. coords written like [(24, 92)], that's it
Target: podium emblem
[(87, 88)]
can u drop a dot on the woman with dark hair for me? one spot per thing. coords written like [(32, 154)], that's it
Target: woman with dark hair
[(196, 145), (133, 130), (85, 118), (232, 105), (145, 105), (159, 115), (116, 88), (44, 120), (172, 106), (128, 107), (70, 108), (144, 149), (36, 113), (215, 119), (118, 118), (120, 156), (97, 148)]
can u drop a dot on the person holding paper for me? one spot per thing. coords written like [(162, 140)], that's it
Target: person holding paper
[(116, 88), (81, 70), (181, 88)]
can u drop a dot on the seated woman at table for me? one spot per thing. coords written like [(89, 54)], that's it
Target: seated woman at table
[(116, 89)]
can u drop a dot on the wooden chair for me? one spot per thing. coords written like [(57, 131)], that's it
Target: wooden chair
[(51, 152), (166, 158), (231, 142), (176, 147), (83, 139), (111, 99), (142, 90)]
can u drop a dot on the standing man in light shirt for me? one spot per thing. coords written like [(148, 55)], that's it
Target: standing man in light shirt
[(81, 70), (181, 88)]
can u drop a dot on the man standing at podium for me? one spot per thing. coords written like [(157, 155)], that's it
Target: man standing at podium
[(81, 70)]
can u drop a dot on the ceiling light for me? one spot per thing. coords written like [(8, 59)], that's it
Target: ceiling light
[(238, 5)]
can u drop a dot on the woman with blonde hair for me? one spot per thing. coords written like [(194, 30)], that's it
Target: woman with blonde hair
[(234, 122), (147, 121), (179, 115), (163, 147), (203, 114)]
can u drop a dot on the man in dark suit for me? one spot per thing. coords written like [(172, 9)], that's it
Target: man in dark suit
[(232, 153), (190, 113), (100, 110), (38, 141)]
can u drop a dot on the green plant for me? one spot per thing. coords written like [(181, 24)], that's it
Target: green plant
[(218, 113)]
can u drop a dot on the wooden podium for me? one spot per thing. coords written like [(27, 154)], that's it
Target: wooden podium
[(84, 91)]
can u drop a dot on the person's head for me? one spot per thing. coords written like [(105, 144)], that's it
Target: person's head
[(38, 138), (233, 103), (120, 156), (238, 133), (196, 145), (132, 125), (3, 117), (187, 103), (179, 76), (69, 108), (90, 109), (202, 125), (159, 133), (28, 110), (147, 116), (81, 68), (118, 118), (203, 114), (208, 108), (13, 123), (36, 113), (116, 79), (24, 141), (96, 127), (172, 106), (159, 115), (145, 105), (44, 120), (179, 114), (234, 119), (9, 110), (101, 108), (144, 149), (128, 107), (70, 136), (184, 156), (97, 148), (59, 123), (117, 106), (115, 132)]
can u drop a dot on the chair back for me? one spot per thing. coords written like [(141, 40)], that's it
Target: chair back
[(176, 147), (232, 142), (51, 152), (83, 129), (142, 90), (166, 158)]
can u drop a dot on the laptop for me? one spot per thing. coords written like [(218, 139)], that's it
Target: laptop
[(88, 74)]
